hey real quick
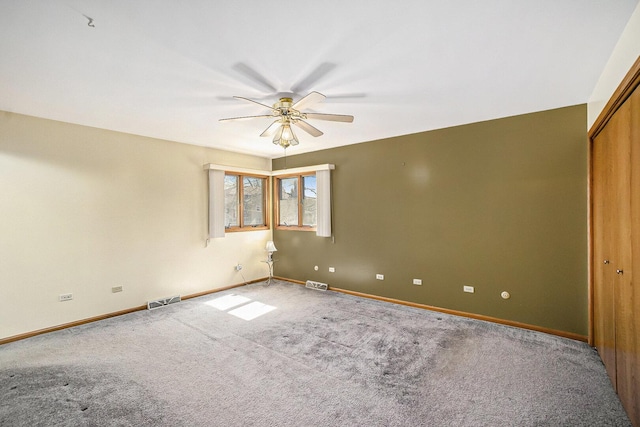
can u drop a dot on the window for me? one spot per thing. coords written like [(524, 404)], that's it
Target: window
[(297, 202), (240, 199), (245, 201)]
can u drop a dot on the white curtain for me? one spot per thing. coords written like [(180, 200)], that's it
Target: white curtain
[(323, 207), (216, 203)]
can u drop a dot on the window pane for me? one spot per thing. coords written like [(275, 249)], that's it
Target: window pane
[(253, 192), (288, 209), (309, 199), (231, 201)]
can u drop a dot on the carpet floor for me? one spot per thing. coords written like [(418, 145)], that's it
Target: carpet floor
[(284, 355)]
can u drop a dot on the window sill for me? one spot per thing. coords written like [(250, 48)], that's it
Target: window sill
[(238, 229), (295, 228)]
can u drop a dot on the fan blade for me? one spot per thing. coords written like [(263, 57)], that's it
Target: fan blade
[(244, 117), (305, 102), (272, 128), (307, 128), (255, 102), (330, 117)]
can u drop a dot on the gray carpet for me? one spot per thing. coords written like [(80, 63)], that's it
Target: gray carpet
[(316, 359)]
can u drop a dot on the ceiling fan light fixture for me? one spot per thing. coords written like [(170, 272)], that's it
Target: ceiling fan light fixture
[(285, 137), (278, 136), (294, 139), (287, 132)]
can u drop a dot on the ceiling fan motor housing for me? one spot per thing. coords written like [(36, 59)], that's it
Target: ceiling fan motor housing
[(283, 108)]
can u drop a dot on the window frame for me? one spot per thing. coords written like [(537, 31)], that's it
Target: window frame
[(240, 202), (300, 197)]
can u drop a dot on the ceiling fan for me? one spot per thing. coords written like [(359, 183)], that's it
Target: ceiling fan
[(288, 113)]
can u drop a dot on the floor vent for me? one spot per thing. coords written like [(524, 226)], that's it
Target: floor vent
[(162, 302), (316, 285)]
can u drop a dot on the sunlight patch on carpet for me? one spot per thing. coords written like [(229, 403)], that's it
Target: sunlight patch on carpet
[(252, 310), (244, 308)]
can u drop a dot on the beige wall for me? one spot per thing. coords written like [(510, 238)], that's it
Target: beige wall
[(83, 210), (626, 52), (500, 205)]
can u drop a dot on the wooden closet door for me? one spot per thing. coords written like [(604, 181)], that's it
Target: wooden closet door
[(616, 231), (603, 216), (627, 292), (615, 236)]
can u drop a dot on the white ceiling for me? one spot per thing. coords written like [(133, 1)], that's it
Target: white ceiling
[(168, 69)]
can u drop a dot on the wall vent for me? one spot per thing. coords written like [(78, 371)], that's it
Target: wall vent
[(162, 302), (316, 285)]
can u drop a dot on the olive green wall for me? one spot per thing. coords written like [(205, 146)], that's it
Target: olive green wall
[(500, 205)]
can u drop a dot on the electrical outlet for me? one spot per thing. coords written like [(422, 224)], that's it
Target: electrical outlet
[(116, 289), (380, 276), (417, 281), (65, 297), (332, 270), (469, 289)]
